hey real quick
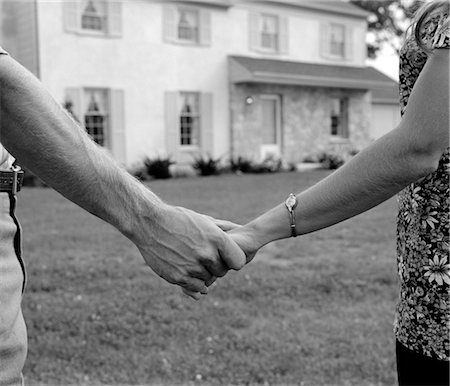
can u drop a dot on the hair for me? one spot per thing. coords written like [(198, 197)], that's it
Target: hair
[(428, 11)]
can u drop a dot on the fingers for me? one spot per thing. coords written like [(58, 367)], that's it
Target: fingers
[(232, 256), (194, 285), (211, 281), (191, 294), (225, 225)]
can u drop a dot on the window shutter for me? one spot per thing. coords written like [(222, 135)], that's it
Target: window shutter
[(324, 40), (253, 31), (74, 96), (114, 17), (172, 123), (284, 38), (348, 43), (206, 124), (170, 23), (117, 125), (71, 14), (205, 27)]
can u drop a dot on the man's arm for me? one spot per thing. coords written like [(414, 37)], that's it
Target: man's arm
[(181, 246), (401, 157)]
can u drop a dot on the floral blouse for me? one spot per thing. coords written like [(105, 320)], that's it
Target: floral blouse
[(422, 317)]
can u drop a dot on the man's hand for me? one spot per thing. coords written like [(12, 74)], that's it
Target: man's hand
[(188, 249)]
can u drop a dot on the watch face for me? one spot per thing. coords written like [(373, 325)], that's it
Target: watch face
[(291, 202)]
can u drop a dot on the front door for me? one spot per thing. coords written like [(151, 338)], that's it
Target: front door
[(270, 126)]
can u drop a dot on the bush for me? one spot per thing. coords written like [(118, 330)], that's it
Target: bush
[(331, 160), (158, 167), (241, 165), (207, 166)]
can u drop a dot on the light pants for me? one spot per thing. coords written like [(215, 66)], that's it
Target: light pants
[(13, 334)]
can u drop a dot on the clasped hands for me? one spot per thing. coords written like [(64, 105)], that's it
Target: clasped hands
[(192, 250)]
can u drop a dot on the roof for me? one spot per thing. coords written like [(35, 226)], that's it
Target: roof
[(254, 70), (329, 6), (386, 94), (214, 3)]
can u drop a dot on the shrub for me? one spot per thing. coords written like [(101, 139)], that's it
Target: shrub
[(241, 165), (331, 160), (207, 166), (158, 167)]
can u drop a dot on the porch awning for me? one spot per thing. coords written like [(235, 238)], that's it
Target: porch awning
[(254, 70)]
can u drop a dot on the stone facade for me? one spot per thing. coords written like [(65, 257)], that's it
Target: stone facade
[(305, 120)]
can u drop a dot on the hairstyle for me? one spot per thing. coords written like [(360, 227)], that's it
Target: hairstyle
[(438, 11)]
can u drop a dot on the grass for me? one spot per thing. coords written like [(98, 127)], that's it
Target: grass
[(316, 310)]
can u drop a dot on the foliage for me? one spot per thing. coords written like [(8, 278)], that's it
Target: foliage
[(244, 165), (206, 165), (158, 167), (240, 165), (387, 22), (331, 160)]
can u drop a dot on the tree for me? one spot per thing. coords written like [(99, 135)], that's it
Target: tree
[(387, 22)]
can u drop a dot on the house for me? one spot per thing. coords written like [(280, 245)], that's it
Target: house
[(223, 78)]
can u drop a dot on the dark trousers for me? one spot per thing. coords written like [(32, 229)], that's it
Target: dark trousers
[(420, 370)]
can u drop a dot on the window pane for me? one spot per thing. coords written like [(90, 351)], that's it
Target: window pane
[(189, 119), (93, 16), (188, 25), (268, 28), (339, 117), (337, 40), (95, 113)]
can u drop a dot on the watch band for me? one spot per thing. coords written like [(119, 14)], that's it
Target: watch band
[(291, 204)]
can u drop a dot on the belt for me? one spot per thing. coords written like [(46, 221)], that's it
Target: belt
[(11, 181)]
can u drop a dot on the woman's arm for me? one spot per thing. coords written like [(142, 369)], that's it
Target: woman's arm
[(404, 155), (176, 243)]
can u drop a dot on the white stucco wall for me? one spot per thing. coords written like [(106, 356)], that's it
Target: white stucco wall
[(144, 66)]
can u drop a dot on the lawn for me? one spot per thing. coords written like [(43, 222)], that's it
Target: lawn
[(315, 310)]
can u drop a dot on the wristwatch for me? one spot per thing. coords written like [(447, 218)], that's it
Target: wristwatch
[(291, 204)]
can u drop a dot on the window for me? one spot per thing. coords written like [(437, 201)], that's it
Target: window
[(339, 117), (93, 17), (186, 25), (189, 119), (96, 115), (268, 33), (337, 40)]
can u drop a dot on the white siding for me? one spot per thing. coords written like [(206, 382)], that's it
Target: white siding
[(145, 63)]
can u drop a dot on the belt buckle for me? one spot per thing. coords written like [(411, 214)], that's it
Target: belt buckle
[(15, 170)]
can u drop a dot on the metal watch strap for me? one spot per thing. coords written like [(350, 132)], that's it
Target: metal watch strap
[(291, 204)]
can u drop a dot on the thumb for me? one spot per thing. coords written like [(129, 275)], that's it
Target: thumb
[(230, 253)]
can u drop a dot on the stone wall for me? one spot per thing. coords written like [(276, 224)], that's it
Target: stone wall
[(305, 120)]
